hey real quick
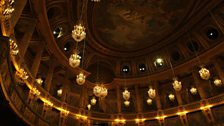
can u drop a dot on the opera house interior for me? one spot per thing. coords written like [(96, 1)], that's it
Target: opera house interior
[(112, 63)]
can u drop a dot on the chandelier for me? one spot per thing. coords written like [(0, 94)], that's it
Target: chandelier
[(89, 106), (171, 97), (6, 8), (81, 78), (217, 82), (176, 84), (126, 103), (149, 101), (74, 60), (59, 92), (93, 101), (193, 90), (152, 93), (78, 33), (39, 81), (204, 73), (100, 91)]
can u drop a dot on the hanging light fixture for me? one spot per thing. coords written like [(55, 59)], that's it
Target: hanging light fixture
[(218, 82), (39, 81), (59, 92), (93, 101), (126, 103), (74, 60), (171, 97), (193, 91), (14, 50), (152, 93), (149, 101), (81, 78), (89, 106), (204, 73), (177, 84), (100, 91), (78, 33), (6, 8)]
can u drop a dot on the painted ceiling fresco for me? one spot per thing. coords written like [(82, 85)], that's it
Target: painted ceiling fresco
[(133, 23)]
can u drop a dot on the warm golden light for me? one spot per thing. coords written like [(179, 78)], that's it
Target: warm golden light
[(126, 94), (21, 73), (100, 91), (120, 121), (171, 97), (93, 101), (139, 120), (161, 117), (152, 93), (193, 91), (182, 113), (149, 101), (39, 81), (6, 8), (81, 78), (78, 33), (218, 82), (177, 86), (126, 103), (205, 107), (59, 92), (14, 50), (78, 116), (74, 60), (89, 106), (204, 73)]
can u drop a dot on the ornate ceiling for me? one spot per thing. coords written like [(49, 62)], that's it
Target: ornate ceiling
[(130, 44)]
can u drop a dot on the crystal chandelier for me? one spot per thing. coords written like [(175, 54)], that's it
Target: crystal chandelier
[(81, 78), (93, 101), (149, 101), (152, 93), (13, 47), (176, 84), (74, 60), (78, 33), (204, 73), (39, 81), (171, 97), (193, 91), (217, 82), (126, 94), (89, 106), (100, 91), (6, 8), (126, 103), (59, 92)]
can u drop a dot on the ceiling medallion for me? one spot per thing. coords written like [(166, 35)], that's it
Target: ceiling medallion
[(204, 73), (81, 78), (193, 91), (149, 101), (171, 97), (78, 33), (6, 8), (176, 84), (74, 60), (152, 92), (100, 91), (218, 82), (93, 101)]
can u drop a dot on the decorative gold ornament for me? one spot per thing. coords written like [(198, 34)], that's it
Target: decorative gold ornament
[(126, 94), (126, 103), (149, 101), (193, 91), (95, 0), (171, 97), (14, 50), (93, 101), (21, 73), (81, 78), (100, 91), (152, 93), (177, 84), (78, 34), (64, 113), (74, 60), (6, 8), (204, 73)]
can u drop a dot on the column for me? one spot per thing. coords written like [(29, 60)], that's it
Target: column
[(198, 85), (36, 62), (118, 99), (157, 98), (138, 100), (49, 76), (183, 119)]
